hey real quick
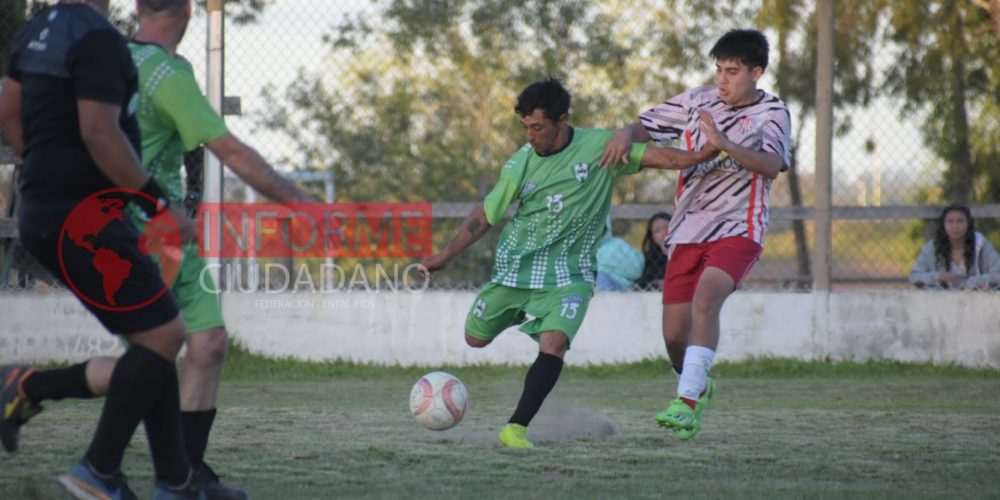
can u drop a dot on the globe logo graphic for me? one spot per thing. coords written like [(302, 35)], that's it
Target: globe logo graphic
[(84, 233)]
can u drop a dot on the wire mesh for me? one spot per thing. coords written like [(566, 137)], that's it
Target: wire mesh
[(412, 101)]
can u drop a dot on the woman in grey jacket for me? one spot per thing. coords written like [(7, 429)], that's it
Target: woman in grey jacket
[(958, 257)]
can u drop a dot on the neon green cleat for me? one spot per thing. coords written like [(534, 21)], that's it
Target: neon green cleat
[(513, 436), (699, 408), (678, 416)]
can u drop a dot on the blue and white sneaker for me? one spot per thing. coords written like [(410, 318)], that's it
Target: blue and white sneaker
[(84, 483), (202, 484)]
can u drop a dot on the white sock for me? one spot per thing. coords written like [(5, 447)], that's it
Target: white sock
[(697, 362), (677, 374)]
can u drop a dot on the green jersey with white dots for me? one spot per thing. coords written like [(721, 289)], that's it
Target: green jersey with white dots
[(174, 116), (564, 198)]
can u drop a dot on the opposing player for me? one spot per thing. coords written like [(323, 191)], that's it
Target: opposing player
[(546, 261), (720, 210)]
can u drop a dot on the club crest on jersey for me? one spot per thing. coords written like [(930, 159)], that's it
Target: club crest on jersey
[(746, 124), (580, 170), (529, 187)]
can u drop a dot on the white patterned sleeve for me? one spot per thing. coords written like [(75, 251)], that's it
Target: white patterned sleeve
[(666, 121)]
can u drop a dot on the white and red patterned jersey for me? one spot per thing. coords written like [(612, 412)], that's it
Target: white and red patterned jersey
[(719, 198)]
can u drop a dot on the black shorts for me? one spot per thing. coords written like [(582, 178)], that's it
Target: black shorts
[(106, 271)]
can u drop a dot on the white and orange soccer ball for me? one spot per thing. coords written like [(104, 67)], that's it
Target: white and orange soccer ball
[(438, 401)]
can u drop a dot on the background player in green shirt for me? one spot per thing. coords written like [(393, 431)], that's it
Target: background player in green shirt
[(546, 262), (175, 117)]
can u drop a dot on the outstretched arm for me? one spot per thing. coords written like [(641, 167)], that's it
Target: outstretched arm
[(473, 227), (253, 169), (676, 159), (617, 150)]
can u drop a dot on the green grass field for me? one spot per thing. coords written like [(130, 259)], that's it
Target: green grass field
[(777, 428)]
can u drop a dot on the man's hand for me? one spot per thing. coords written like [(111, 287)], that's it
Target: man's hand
[(186, 226), (432, 264), (709, 152), (716, 139), (617, 150)]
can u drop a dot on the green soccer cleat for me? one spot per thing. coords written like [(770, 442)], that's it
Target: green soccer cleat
[(678, 416), (706, 396), (15, 409), (513, 436)]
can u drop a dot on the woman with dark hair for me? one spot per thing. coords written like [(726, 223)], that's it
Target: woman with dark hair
[(958, 257), (655, 252)]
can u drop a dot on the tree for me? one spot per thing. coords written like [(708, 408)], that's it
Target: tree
[(993, 7), (795, 73), (947, 67)]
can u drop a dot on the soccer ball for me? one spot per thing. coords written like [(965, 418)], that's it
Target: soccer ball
[(438, 401)]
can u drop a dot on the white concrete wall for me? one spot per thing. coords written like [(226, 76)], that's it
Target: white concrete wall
[(426, 329)]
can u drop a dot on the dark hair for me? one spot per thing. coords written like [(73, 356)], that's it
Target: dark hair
[(651, 248), (158, 6), (747, 46), (547, 95), (942, 244)]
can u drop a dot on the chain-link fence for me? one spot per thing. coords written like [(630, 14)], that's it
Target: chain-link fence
[(400, 100)]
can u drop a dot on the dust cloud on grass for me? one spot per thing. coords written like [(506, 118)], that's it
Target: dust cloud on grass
[(558, 420)]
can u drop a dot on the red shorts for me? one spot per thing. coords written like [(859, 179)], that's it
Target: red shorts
[(735, 256)]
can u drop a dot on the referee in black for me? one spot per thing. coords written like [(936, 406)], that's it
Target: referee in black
[(67, 106)]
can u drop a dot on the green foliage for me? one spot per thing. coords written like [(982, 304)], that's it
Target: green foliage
[(947, 65)]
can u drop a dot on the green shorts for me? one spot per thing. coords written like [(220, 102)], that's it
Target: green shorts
[(199, 304), (499, 307)]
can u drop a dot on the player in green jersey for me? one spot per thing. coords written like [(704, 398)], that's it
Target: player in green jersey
[(546, 263)]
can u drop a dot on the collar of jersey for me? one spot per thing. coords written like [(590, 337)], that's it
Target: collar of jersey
[(572, 132), (760, 97), (140, 42)]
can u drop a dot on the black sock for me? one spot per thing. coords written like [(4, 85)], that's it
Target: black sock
[(197, 425), (58, 384), (541, 378), (138, 382), (166, 436)]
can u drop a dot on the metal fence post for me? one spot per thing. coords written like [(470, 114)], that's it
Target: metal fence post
[(214, 68)]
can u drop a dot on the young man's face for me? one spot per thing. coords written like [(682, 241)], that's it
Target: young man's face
[(542, 133), (737, 83)]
